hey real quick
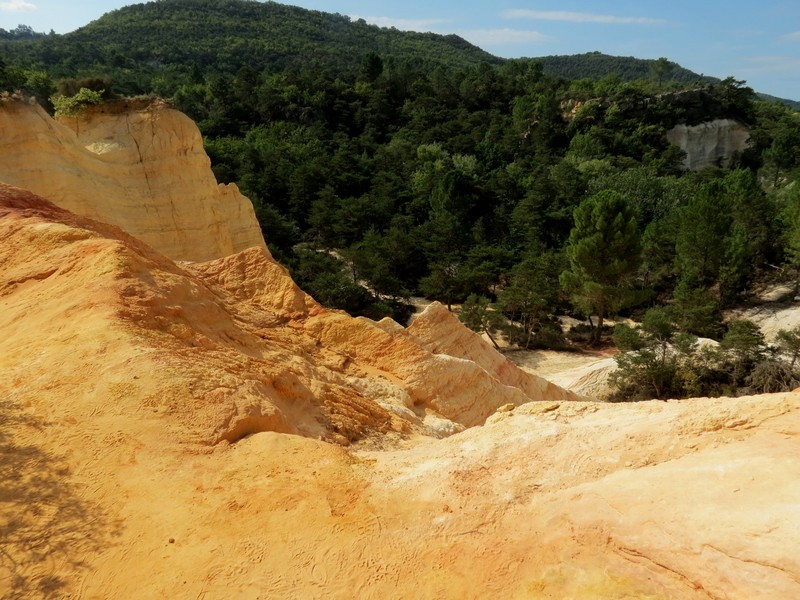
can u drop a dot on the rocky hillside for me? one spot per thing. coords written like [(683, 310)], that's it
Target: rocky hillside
[(206, 429)]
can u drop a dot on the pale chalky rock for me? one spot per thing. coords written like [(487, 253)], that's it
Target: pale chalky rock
[(713, 144)]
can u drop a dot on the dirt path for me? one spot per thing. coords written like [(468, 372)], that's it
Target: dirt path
[(584, 373)]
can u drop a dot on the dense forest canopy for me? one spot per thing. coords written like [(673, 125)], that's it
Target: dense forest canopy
[(384, 164), (167, 39)]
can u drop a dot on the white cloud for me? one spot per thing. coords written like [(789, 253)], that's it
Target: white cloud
[(577, 17), (403, 24), (495, 37), (792, 37), (17, 6)]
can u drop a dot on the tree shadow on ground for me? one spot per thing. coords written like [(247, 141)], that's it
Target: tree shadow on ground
[(46, 527)]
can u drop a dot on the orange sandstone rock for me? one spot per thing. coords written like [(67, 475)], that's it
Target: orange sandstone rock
[(242, 349), (137, 165), (442, 333)]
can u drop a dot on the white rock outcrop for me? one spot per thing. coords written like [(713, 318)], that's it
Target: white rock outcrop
[(711, 144)]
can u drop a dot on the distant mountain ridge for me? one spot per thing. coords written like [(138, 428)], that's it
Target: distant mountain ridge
[(226, 35), (595, 65)]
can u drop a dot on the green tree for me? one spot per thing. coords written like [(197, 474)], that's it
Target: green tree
[(647, 366), (699, 247), (784, 152), (373, 259), (790, 220), (372, 67), (531, 297), (745, 342), (754, 212), (604, 250), (478, 315), (661, 69), (789, 342), (696, 311), (484, 268)]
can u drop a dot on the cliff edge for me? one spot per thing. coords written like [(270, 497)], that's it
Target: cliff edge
[(136, 164), (713, 144)]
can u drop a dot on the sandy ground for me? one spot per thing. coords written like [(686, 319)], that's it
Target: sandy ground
[(584, 501), (550, 363), (585, 373), (779, 311)]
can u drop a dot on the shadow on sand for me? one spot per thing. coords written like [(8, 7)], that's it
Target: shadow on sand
[(45, 525)]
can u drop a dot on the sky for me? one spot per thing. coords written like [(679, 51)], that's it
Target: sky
[(757, 41)]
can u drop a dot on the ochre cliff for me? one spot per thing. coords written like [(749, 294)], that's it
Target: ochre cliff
[(135, 164), (438, 330), (241, 345)]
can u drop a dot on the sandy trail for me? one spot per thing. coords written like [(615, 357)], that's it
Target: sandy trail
[(584, 373)]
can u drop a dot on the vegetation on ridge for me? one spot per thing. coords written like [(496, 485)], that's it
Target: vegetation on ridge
[(596, 65)]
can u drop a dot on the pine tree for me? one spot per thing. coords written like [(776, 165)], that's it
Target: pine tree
[(604, 252)]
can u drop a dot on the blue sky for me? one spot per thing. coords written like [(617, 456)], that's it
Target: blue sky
[(755, 41)]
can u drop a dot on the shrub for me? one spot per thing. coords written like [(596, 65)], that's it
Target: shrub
[(772, 375), (71, 106)]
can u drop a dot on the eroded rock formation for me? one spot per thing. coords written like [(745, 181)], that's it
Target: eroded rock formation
[(138, 165), (237, 340), (165, 431)]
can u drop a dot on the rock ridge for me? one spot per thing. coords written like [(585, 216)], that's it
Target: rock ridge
[(242, 348), (140, 166)]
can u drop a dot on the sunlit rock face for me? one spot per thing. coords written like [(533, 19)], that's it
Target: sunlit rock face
[(712, 144), (135, 164)]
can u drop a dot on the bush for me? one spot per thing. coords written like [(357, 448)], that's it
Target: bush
[(772, 375), (644, 374), (655, 363), (71, 106), (547, 335), (627, 338)]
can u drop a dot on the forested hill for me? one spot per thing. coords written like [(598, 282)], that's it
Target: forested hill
[(595, 65), (224, 35), (166, 40)]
